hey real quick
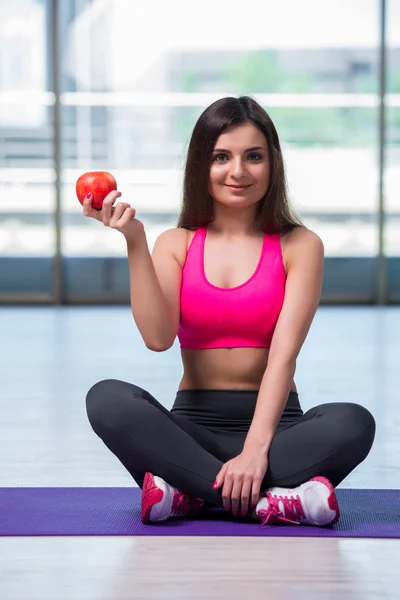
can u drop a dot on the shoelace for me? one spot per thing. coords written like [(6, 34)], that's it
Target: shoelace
[(182, 504), (292, 508)]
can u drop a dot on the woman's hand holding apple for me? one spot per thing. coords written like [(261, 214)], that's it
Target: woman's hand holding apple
[(97, 192)]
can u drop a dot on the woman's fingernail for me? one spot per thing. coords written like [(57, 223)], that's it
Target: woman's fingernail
[(88, 195), (215, 485)]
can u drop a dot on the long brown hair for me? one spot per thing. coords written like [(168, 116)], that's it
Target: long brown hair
[(275, 214)]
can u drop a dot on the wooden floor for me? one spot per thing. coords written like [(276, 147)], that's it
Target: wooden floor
[(50, 357)]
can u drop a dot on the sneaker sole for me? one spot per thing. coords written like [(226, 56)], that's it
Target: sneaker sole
[(332, 500), (151, 494)]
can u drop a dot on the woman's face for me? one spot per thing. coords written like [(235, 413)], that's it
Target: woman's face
[(239, 172)]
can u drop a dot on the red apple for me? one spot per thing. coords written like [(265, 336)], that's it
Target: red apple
[(99, 183)]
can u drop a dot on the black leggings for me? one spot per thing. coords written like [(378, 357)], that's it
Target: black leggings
[(205, 428)]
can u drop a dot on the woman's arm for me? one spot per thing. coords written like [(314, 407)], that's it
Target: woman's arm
[(155, 282), (305, 266)]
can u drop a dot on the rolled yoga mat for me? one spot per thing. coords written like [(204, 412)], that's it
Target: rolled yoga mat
[(116, 511)]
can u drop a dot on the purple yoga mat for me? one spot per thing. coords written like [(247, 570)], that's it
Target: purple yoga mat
[(116, 511)]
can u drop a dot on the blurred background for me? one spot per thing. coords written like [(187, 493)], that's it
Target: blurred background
[(117, 85)]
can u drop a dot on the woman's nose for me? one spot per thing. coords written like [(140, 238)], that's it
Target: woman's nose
[(237, 167)]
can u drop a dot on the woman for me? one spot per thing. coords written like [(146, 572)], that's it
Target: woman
[(239, 282)]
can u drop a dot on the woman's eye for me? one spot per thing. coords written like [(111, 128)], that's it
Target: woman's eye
[(254, 156)]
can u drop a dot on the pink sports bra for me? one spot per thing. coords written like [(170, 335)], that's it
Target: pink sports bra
[(243, 316)]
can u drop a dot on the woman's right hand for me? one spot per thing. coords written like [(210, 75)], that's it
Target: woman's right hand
[(120, 217)]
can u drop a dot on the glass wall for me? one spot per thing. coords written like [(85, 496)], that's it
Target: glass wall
[(27, 236), (392, 155), (131, 90)]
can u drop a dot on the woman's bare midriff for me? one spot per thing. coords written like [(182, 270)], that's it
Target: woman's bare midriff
[(225, 368)]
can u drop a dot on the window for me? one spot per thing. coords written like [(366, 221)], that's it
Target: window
[(131, 90)]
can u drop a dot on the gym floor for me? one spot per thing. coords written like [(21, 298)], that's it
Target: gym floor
[(51, 356)]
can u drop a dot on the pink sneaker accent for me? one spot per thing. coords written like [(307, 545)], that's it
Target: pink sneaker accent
[(309, 504), (332, 500), (170, 501), (151, 495), (184, 505)]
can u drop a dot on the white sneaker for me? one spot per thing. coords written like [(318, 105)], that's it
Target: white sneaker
[(161, 501), (311, 503)]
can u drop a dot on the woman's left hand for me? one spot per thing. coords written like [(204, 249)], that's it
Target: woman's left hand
[(241, 478)]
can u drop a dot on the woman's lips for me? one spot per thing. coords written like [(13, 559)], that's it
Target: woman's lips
[(237, 188)]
